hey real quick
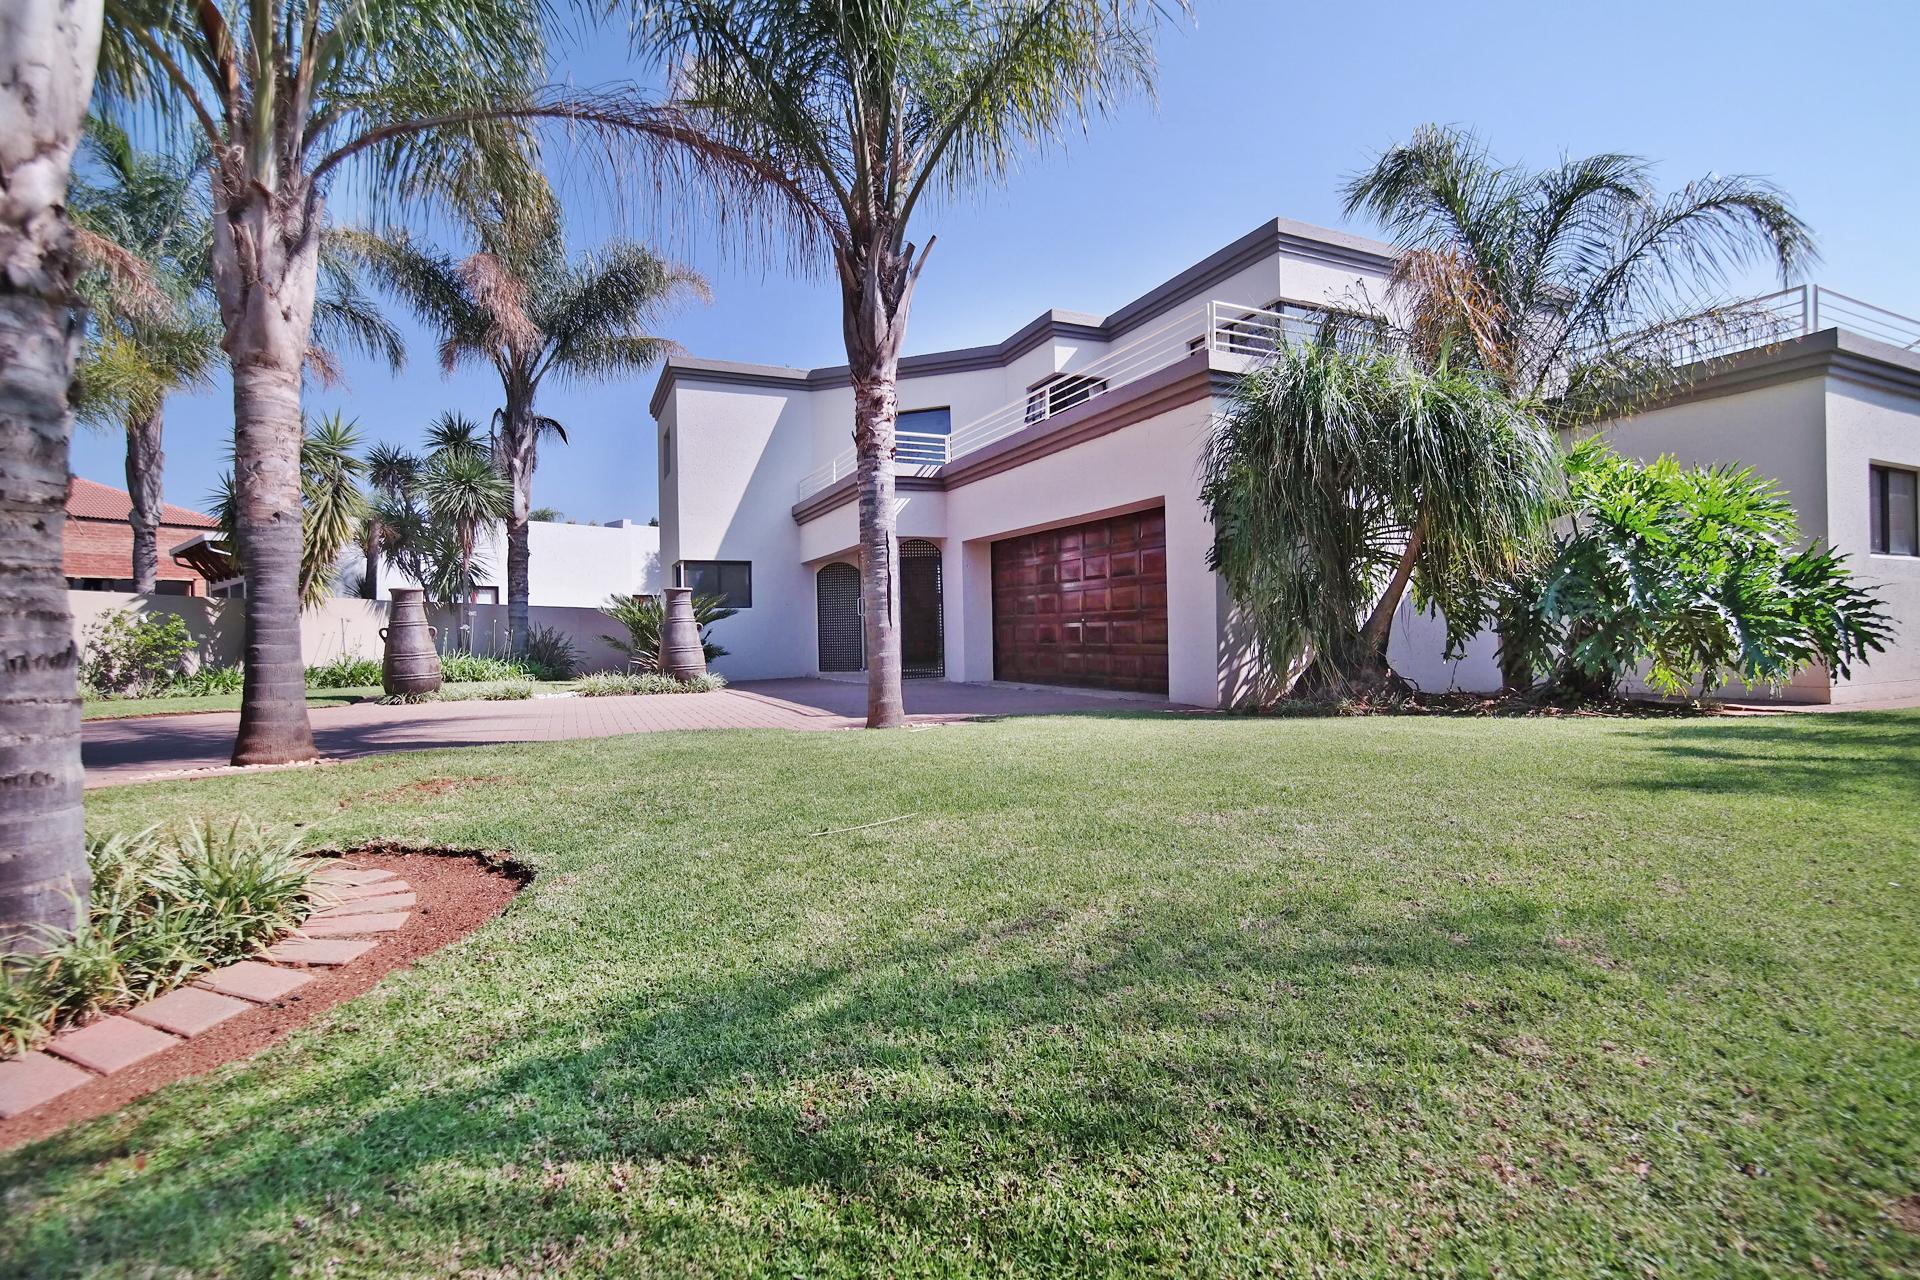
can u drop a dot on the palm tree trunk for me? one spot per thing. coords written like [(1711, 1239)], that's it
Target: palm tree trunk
[(273, 703), (266, 266), (370, 578), (145, 465), (875, 410), (47, 59), (516, 453)]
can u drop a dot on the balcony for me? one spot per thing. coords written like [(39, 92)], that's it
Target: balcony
[(1240, 335)]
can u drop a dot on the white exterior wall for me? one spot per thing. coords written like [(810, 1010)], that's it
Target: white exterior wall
[(1865, 426), (570, 566), (739, 452)]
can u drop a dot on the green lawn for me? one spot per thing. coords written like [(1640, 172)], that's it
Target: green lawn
[(122, 708), (1122, 995)]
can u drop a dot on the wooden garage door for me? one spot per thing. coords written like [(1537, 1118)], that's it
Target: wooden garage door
[(1084, 605)]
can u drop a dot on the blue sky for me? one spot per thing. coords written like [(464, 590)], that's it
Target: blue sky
[(1263, 108)]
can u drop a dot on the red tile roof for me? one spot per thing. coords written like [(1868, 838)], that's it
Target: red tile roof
[(87, 500)]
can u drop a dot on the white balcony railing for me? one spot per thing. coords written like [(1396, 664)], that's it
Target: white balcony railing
[(1230, 329)]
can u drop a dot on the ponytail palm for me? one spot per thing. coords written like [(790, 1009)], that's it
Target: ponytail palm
[(1339, 477), (859, 111), (417, 102), (522, 305)]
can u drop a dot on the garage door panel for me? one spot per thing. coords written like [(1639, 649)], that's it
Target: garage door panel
[(1084, 605)]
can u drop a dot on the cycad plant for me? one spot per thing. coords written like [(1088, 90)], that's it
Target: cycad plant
[(522, 305), (859, 113), (1342, 475), (643, 616)]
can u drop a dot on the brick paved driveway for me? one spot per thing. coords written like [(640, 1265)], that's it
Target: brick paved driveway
[(135, 750)]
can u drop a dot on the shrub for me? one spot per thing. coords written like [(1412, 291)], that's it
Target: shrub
[(488, 691), (348, 671), (125, 655), (641, 615), (619, 684), (470, 668), (211, 679), (161, 911), (1690, 570), (550, 654)]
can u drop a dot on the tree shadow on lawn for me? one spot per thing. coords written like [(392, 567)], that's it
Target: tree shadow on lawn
[(1820, 756), (895, 1089)]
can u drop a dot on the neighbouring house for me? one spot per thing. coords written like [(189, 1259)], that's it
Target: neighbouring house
[(97, 554), (1050, 525)]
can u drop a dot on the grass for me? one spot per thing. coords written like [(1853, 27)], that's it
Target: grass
[(184, 704), (1116, 995)]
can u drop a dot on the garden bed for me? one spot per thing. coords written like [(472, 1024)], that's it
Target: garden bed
[(456, 890)]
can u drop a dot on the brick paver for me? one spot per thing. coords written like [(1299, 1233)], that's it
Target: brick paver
[(320, 951), (110, 1044), (34, 1078), (365, 906), (251, 980), (187, 1011), (348, 878), (353, 926), (117, 751), (335, 892)]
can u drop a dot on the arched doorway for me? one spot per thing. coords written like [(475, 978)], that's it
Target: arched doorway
[(837, 598), (923, 647)]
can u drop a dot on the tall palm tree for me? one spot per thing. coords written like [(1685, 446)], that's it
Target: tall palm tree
[(522, 305), (421, 101), (1341, 475), (1579, 285), (862, 109), (47, 54), (145, 234)]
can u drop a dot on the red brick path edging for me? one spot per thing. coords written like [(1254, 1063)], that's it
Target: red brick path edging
[(360, 902)]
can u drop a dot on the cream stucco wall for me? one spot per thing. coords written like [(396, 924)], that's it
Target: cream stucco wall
[(1867, 425)]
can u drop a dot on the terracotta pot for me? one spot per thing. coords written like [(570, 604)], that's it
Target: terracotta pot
[(681, 654), (411, 664)]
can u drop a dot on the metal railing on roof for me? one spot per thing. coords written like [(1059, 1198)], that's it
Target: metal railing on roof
[(1232, 329)]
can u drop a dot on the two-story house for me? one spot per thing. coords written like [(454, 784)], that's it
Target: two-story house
[(1051, 530)]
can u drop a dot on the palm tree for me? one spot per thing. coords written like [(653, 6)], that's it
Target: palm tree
[(145, 234), (1577, 286), (463, 491), (333, 506), (1342, 474), (520, 304), (46, 76), (423, 101), (860, 111), (391, 473)]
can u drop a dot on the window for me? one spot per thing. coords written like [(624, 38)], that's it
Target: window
[(1061, 393), (731, 580), (927, 422), (913, 424), (484, 595), (1894, 503), (666, 453)]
